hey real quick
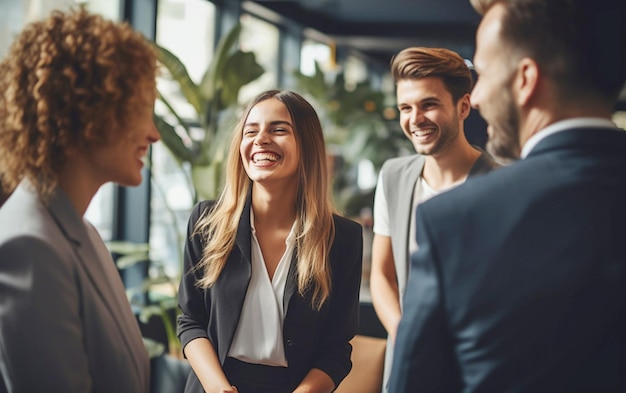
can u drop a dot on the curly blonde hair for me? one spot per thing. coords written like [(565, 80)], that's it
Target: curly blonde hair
[(66, 83)]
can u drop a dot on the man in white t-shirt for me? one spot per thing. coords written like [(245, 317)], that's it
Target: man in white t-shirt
[(433, 96)]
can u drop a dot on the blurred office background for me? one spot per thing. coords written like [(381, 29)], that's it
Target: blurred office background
[(334, 52)]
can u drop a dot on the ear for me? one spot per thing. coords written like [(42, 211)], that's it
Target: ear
[(526, 81), (463, 107)]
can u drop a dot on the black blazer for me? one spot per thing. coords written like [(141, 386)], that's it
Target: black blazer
[(312, 339), (519, 284)]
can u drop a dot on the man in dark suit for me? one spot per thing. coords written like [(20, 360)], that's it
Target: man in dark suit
[(519, 284)]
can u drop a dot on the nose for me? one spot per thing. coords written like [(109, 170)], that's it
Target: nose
[(153, 134), (262, 138), (475, 97), (417, 116)]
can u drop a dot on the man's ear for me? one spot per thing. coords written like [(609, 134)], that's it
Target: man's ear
[(463, 107), (526, 81)]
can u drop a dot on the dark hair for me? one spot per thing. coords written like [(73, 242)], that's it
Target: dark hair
[(580, 44), (420, 62)]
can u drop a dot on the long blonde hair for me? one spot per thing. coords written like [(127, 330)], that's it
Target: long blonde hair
[(315, 225)]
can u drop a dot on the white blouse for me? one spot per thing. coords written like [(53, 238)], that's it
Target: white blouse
[(259, 335)]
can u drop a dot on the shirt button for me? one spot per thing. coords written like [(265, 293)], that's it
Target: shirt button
[(290, 343)]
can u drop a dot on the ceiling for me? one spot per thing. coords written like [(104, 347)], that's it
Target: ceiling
[(378, 29)]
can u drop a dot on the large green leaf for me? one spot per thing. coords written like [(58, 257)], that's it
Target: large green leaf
[(314, 85), (212, 78), (241, 69), (172, 140), (179, 73)]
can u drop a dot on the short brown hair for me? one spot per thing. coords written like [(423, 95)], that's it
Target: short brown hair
[(579, 44), (421, 62), (67, 82)]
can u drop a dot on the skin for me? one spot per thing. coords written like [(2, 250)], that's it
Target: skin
[(522, 100), (492, 95), (433, 122), (271, 157), (268, 149), (428, 116), (119, 159)]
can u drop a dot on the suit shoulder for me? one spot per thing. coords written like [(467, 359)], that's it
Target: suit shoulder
[(199, 209), (344, 224), (477, 192), (396, 163)]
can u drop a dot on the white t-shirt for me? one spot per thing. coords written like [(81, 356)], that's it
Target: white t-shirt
[(259, 335), (421, 193)]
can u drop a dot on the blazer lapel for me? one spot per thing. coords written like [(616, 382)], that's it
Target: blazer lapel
[(232, 285), (291, 284), (407, 188), (74, 228)]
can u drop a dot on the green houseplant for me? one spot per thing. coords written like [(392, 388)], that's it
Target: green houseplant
[(360, 124), (216, 94), (199, 155)]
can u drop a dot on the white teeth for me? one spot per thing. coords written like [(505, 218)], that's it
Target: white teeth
[(265, 157), (419, 133)]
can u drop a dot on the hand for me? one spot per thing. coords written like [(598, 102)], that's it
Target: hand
[(232, 389)]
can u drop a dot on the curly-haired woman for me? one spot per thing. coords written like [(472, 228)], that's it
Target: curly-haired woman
[(76, 100), (270, 293)]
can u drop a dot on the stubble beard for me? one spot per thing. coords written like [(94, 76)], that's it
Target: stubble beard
[(448, 133), (503, 143)]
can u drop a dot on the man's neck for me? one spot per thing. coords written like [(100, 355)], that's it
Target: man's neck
[(444, 170), (537, 117)]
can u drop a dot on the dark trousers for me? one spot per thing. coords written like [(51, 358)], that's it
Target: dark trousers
[(257, 378)]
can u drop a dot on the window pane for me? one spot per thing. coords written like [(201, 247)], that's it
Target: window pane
[(100, 211), (14, 14), (314, 51), (260, 38), (185, 28)]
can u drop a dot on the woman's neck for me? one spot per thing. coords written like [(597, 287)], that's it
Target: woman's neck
[(78, 185), (274, 209)]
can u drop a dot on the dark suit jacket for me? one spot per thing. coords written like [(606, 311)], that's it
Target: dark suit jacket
[(312, 339), (519, 284), (65, 322)]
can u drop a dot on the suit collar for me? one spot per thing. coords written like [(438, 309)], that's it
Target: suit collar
[(563, 125), (244, 232), (92, 259), (585, 138), (61, 210)]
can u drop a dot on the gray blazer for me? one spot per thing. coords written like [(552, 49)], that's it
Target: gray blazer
[(65, 322), (399, 176)]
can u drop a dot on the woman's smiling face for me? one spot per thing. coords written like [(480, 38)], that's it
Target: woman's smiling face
[(268, 148)]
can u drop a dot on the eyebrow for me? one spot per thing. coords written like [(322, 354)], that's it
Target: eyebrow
[(272, 123), (423, 100)]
